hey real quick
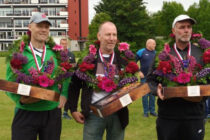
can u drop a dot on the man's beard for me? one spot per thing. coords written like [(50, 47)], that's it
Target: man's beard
[(184, 40)]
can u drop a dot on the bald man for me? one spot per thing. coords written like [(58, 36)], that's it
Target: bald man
[(94, 126), (146, 56)]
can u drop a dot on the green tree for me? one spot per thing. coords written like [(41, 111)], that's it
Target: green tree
[(169, 11), (131, 19), (93, 27), (202, 18)]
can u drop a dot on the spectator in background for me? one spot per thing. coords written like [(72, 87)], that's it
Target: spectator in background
[(146, 56), (64, 43), (208, 108)]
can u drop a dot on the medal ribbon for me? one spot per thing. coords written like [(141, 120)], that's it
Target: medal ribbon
[(178, 54), (35, 58), (184, 62), (102, 58)]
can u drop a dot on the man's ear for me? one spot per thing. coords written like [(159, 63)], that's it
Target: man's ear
[(173, 30), (98, 36), (29, 27)]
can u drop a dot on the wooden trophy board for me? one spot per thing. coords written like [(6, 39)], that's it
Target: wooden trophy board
[(26, 90), (186, 91), (123, 97)]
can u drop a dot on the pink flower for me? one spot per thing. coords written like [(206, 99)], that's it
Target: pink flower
[(44, 81), (196, 36), (57, 47), (107, 84), (22, 45), (123, 46), (92, 49), (51, 82), (33, 71), (184, 78), (167, 48), (63, 69)]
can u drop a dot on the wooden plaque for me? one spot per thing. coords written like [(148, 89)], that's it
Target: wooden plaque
[(186, 91), (114, 102), (26, 90)]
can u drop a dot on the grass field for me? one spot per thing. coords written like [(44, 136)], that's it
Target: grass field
[(139, 127)]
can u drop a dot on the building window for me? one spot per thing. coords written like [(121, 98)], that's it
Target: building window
[(25, 23), (17, 1), (43, 1), (53, 1), (18, 23), (6, 11), (53, 23), (17, 11)]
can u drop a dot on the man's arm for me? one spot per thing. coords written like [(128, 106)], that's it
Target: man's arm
[(151, 79), (74, 92)]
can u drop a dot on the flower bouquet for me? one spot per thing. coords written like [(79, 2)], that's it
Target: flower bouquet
[(109, 82)]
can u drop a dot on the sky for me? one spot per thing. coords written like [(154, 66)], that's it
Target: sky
[(151, 5)]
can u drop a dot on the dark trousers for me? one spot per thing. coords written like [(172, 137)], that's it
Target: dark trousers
[(28, 125), (66, 107), (180, 129)]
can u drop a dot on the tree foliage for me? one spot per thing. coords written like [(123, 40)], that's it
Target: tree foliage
[(200, 12), (93, 27), (131, 19), (169, 11)]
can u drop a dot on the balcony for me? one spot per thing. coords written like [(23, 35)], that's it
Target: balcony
[(64, 25), (63, 13), (63, 1), (34, 1)]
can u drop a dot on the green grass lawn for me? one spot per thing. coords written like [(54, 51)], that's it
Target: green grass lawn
[(139, 127)]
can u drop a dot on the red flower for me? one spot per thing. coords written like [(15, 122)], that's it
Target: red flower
[(106, 84), (165, 66), (16, 63), (175, 79), (172, 35), (97, 42), (35, 80), (206, 56), (121, 73), (184, 78), (66, 65), (100, 79), (132, 67), (198, 67), (85, 66)]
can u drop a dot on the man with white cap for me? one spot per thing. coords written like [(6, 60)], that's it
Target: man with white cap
[(33, 117), (179, 118)]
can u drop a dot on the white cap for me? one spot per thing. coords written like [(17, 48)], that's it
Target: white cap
[(182, 18)]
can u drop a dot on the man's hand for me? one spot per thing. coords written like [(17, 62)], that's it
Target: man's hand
[(78, 117), (62, 101), (159, 92), (141, 74)]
